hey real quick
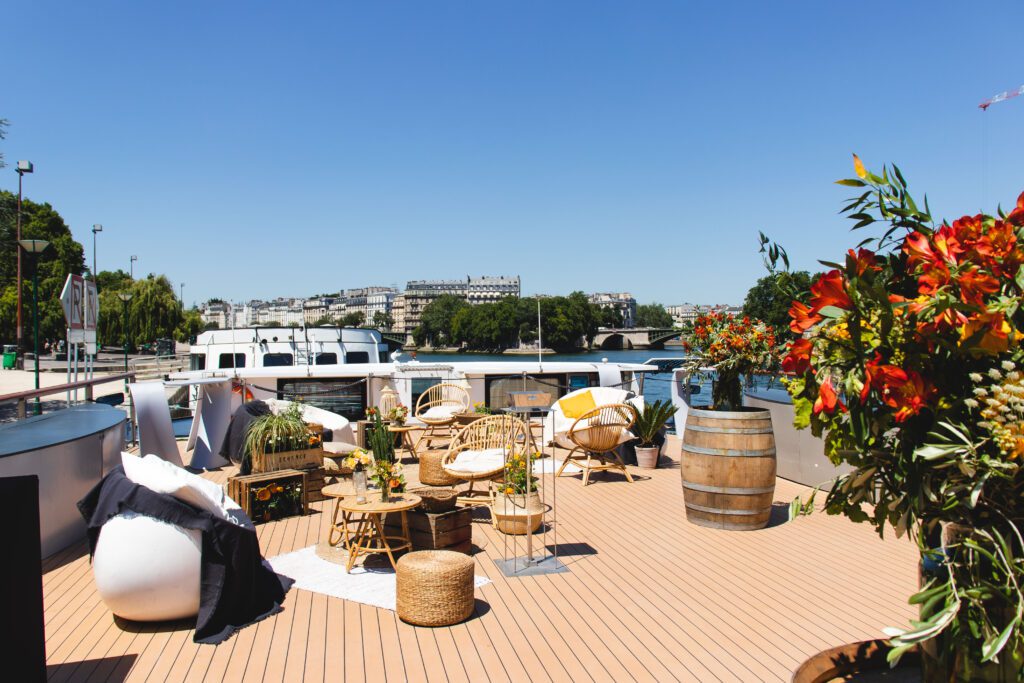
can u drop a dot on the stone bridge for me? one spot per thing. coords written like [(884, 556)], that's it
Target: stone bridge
[(633, 338)]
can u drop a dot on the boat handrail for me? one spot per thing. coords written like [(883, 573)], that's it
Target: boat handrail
[(22, 397)]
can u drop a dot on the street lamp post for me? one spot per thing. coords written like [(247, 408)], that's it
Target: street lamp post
[(131, 268), (125, 298), (181, 288), (95, 273), (35, 247), (23, 168)]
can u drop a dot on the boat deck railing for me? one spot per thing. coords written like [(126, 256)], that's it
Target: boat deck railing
[(23, 397)]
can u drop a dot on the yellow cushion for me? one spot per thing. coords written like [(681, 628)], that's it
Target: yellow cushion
[(578, 405)]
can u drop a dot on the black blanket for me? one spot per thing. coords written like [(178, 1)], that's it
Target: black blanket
[(236, 588)]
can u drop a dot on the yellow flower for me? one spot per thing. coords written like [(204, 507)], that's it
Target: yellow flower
[(263, 494), (509, 490)]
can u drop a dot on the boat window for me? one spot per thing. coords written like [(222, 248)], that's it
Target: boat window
[(273, 360), (499, 388), (357, 357), (197, 361), (326, 359), (582, 381), (346, 397), (420, 385), (226, 360)]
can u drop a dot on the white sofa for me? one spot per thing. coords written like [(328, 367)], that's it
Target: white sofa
[(146, 569)]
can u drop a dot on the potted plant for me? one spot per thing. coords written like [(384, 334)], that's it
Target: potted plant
[(647, 428), (907, 359), (480, 410), (720, 490), (281, 441), (385, 471), (517, 505)]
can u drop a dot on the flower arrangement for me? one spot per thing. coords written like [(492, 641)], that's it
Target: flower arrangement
[(358, 460), (734, 347), (386, 471), (275, 501), (481, 408), (907, 360), (399, 414), (519, 470)]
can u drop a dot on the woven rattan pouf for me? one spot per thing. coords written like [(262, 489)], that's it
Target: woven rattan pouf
[(431, 472), (434, 588)]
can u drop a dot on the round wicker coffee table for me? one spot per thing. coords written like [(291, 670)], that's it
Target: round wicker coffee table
[(406, 435), (368, 535)]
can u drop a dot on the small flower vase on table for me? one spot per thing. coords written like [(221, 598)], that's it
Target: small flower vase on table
[(359, 483)]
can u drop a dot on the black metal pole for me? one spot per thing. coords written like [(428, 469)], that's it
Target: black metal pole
[(35, 316), (124, 335), (21, 344)]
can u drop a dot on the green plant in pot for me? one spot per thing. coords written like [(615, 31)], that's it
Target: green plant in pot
[(649, 423), (275, 433), (907, 360)]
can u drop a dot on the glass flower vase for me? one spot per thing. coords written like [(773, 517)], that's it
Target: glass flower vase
[(359, 483)]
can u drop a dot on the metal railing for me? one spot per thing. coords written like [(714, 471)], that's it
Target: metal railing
[(158, 367), (23, 397)]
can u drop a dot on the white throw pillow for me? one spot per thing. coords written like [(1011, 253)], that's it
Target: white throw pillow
[(439, 412), (160, 476), (487, 460)]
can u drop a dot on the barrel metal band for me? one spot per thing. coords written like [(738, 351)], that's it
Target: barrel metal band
[(758, 414), (731, 490), (729, 452), (719, 511), (737, 430)]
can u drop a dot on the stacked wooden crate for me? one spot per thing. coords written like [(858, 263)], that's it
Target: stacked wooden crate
[(436, 531)]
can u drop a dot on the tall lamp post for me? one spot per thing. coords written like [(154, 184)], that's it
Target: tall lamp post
[(35, 247), (181, 288), (125, 298), (23, 168), (95, 229), (131, 268)]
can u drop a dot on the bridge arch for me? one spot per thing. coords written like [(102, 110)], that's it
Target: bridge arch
[(616, 342)]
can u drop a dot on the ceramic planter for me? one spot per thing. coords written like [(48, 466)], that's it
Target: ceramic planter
[(647, 457)]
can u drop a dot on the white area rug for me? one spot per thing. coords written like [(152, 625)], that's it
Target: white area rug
[(549, 466), (375, 586)]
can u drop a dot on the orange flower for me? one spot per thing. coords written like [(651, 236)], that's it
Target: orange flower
[(904, 390), (975, 284), (862, 261), (803, 317), (994, 330), (830, 290), (828, 400), (799, 357), (263, 494), (1016, 216)]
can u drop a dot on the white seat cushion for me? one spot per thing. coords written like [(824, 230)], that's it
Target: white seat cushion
[(440, 412), (160, 476), (478, 462)]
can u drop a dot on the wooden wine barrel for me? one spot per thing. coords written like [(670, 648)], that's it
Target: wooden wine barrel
[(728, 468)]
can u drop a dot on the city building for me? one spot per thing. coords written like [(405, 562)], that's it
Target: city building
[(623, 302), (475, 290), (316, 308), (686, 313)]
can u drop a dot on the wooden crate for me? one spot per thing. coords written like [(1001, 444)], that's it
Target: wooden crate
[(436, 531), (315, 482), (243, 489), (287, 460)]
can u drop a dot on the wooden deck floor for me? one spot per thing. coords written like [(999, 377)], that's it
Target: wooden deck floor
[(648, 597)]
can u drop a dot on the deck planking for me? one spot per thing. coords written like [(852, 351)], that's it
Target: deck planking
[(649, 597)]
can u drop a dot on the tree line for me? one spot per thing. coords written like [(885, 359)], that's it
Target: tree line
[(153, 311)]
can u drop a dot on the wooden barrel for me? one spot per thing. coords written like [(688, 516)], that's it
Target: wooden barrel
[(728, 468)]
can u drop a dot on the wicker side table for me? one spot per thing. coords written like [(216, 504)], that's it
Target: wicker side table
[(431, 473), (434, 588)]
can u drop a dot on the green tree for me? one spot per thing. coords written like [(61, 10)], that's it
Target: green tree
[(353, 319), (437, 317), (326, 320), (191, 324), (64, 256), (653, 315), (382, 321), (768, 302)]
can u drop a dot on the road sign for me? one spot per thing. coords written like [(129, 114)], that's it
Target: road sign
[(92, 305), (71, 300)]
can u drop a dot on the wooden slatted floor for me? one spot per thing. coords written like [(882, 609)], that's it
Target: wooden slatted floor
[(648, 597)]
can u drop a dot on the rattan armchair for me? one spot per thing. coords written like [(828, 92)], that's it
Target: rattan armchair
[(596, 435), (492, 440), (437, 408)]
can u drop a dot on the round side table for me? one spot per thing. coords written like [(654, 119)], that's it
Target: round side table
[(368, 536)]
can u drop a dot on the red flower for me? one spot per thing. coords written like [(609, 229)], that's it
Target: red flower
[(975, 284), (799, 357), (941, 247), (830, 290), (870, 371), (803, 317), (1016, 216), (862, 261), (935, 276), (827, 400), (908, 392)]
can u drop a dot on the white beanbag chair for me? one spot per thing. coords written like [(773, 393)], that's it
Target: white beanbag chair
[(146, 569)]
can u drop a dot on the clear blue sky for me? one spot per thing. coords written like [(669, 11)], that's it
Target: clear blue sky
[(257, 149)]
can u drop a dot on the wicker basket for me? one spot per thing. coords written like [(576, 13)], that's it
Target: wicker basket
[(431, 472), (288, 460), (437, 500), (434, 588)]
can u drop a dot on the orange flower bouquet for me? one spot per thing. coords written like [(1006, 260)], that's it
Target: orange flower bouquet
[(734, 347), (906, 358)]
